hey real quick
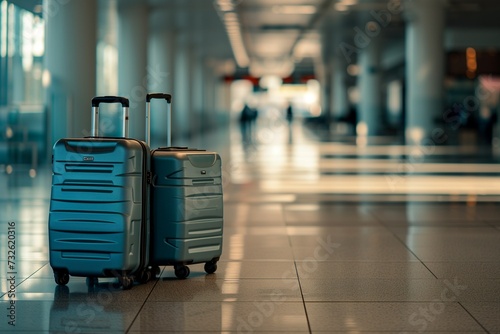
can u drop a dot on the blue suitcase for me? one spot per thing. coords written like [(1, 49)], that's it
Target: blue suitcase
[(99, 212), (186, 204)]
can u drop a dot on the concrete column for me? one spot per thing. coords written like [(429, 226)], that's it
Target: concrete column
[(181, 90), (196, 88), (70, 60), (324, 73), (161, 62), (340, 103), (209, 84), (133, 72), (107, 47), (370, 106), (223, 101), (200, 106), (424, 68)]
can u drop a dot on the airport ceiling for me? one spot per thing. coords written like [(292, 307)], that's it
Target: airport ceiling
[(274, 34)]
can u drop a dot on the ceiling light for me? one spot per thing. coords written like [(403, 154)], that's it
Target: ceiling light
[(353, 70), (226, 8), (233, 29), (225, 5), (230, 16), (280, 67), (349, 2), (341, 7), (300, 9)]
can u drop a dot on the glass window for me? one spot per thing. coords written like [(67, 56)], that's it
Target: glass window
[(22, 112)]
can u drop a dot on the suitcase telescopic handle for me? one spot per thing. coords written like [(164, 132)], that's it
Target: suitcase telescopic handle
[(109, 99), (161, 96)]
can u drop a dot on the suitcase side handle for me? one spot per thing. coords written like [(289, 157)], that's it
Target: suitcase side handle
[(109, 99), (161, 96)]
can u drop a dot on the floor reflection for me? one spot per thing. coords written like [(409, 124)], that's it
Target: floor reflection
[(316, 221), (90, 312)]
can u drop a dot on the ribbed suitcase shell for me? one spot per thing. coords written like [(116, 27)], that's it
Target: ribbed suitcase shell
[(187, 206), (99, 217)]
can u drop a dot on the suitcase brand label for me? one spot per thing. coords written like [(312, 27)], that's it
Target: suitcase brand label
[(88, 158)]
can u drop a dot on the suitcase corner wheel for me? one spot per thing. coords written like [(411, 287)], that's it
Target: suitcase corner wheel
[(92, 281), (155, 271), (210, 267), (61, 277), (126, 282), (147, 274), (182, 271)]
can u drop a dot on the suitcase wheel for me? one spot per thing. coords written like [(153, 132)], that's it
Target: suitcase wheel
[(182, 271), (92, 281), (61, 277), (146, 276), (156, 270), (210, 267), (126, 282)]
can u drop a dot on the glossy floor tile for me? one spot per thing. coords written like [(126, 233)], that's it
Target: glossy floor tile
[(391, 316), (240, 317), (319, 237), (486, 314)]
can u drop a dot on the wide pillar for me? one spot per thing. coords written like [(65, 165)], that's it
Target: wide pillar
[(181, 90), (196, 88), (370, 120), (209, 83), (323, 69), (133, 72), (107, 48), (70, 62), (424, 68), (161, 62), (340, 103)]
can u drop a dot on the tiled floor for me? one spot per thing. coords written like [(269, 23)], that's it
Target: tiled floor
[(319, 237)]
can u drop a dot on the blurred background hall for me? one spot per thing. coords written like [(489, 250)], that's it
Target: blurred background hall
[(360, 147)]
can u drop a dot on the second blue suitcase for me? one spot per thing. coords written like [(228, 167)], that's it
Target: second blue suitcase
[(186, 205)]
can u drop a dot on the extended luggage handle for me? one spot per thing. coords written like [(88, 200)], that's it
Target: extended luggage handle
[(109, 99), (161, 96)]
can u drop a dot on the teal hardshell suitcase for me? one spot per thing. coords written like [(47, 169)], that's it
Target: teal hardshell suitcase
[(99, 212), (186, 204)]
